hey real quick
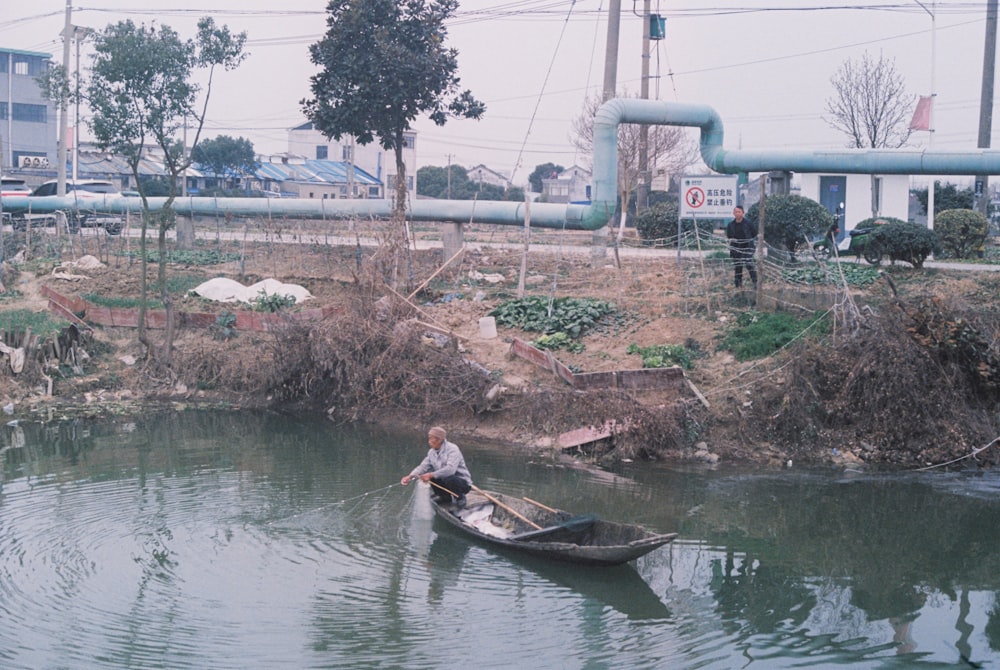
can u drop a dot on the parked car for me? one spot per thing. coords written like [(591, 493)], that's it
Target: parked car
[(84, 190), (12, 186)]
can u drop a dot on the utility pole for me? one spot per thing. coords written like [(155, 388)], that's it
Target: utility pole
[(449, 177), (611, 50), (642, 190), (63, 110), (982, 190), (599, 239)]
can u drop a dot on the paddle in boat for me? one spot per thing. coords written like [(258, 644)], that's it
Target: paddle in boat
[(527, 526)]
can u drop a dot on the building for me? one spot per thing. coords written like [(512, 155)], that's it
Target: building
[(572, 185), (856, 196), (310, 143), (484, 175), (28, 122)]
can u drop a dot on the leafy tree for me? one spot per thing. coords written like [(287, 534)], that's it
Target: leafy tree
[(433, 182), (962, 232), (141, 92), (543, 171), (383, 63), (947, 196), (870, 105), (790, 220), (226, 156)]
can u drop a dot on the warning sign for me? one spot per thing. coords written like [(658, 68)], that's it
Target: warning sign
[(708, 197)]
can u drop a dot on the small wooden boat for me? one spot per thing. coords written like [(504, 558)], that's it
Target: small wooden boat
[(532, 528)]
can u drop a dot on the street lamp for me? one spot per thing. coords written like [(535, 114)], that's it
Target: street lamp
[(930, 117)]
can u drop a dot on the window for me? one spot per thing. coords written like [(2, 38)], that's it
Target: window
[(322, 152), (3, 110), (30, 113), (20, 67)]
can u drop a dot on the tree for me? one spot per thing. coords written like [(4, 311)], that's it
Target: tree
[(947, 196), (434, 182), (790, 220), (442, 182), (140, 92), (870, 105), (544, 171), (668, 148), (226, 156), (382, 64)]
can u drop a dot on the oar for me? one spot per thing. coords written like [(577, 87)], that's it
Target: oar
[(449, 492), (538, 504), (514, 512)]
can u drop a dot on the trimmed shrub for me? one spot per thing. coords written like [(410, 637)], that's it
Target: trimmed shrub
[(790, 220), (659, 222), (903, 241), (961, 232)]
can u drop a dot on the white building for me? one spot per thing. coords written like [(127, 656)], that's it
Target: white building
[(484, 175), (855, 194), (572, 185)]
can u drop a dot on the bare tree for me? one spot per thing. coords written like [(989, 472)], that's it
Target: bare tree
[(870, 104), (670, 149)]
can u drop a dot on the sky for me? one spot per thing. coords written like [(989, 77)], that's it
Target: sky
[(764, 65)]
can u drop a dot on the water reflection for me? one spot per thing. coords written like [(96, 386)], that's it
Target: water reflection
[(228, 539)]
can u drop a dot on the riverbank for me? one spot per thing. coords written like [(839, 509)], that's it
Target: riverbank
[(416, 353)]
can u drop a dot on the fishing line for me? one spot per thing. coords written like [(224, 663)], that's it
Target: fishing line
[(355, 499)]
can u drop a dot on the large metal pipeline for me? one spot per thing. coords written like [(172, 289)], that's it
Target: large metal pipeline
[(560, 216)]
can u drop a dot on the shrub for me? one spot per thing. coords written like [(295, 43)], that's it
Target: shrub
[(902, 241), (961, 232), (790, 220), (659, 222)]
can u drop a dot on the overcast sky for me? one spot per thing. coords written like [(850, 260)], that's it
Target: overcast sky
[(764, 65)]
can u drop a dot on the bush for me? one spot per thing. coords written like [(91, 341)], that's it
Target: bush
[(961, 232), (790, 220), (903, 241), (659, 222)]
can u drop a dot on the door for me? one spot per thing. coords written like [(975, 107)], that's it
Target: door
[(833, 196)]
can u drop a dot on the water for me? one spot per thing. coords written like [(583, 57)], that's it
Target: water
[(242, 540)]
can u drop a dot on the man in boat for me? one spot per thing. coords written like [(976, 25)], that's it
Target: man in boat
[(444, 469)]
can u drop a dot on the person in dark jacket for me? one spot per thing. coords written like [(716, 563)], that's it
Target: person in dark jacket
[(742, 236), (444, 468)]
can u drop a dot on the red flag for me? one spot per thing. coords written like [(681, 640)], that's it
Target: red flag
[(922, 114)]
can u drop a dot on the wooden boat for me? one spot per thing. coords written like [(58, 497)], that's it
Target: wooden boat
[(532, 528)]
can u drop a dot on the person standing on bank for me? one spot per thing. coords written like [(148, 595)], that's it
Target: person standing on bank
[(444, 466), (742, 236)]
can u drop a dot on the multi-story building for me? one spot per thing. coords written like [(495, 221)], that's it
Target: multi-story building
[(310, 143), (28, 122)]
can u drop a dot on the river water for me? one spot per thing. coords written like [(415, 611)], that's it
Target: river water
[(249, 540)]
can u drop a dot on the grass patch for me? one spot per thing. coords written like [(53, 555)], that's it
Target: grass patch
[(759, 334), (122, 302), (42, 324)]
